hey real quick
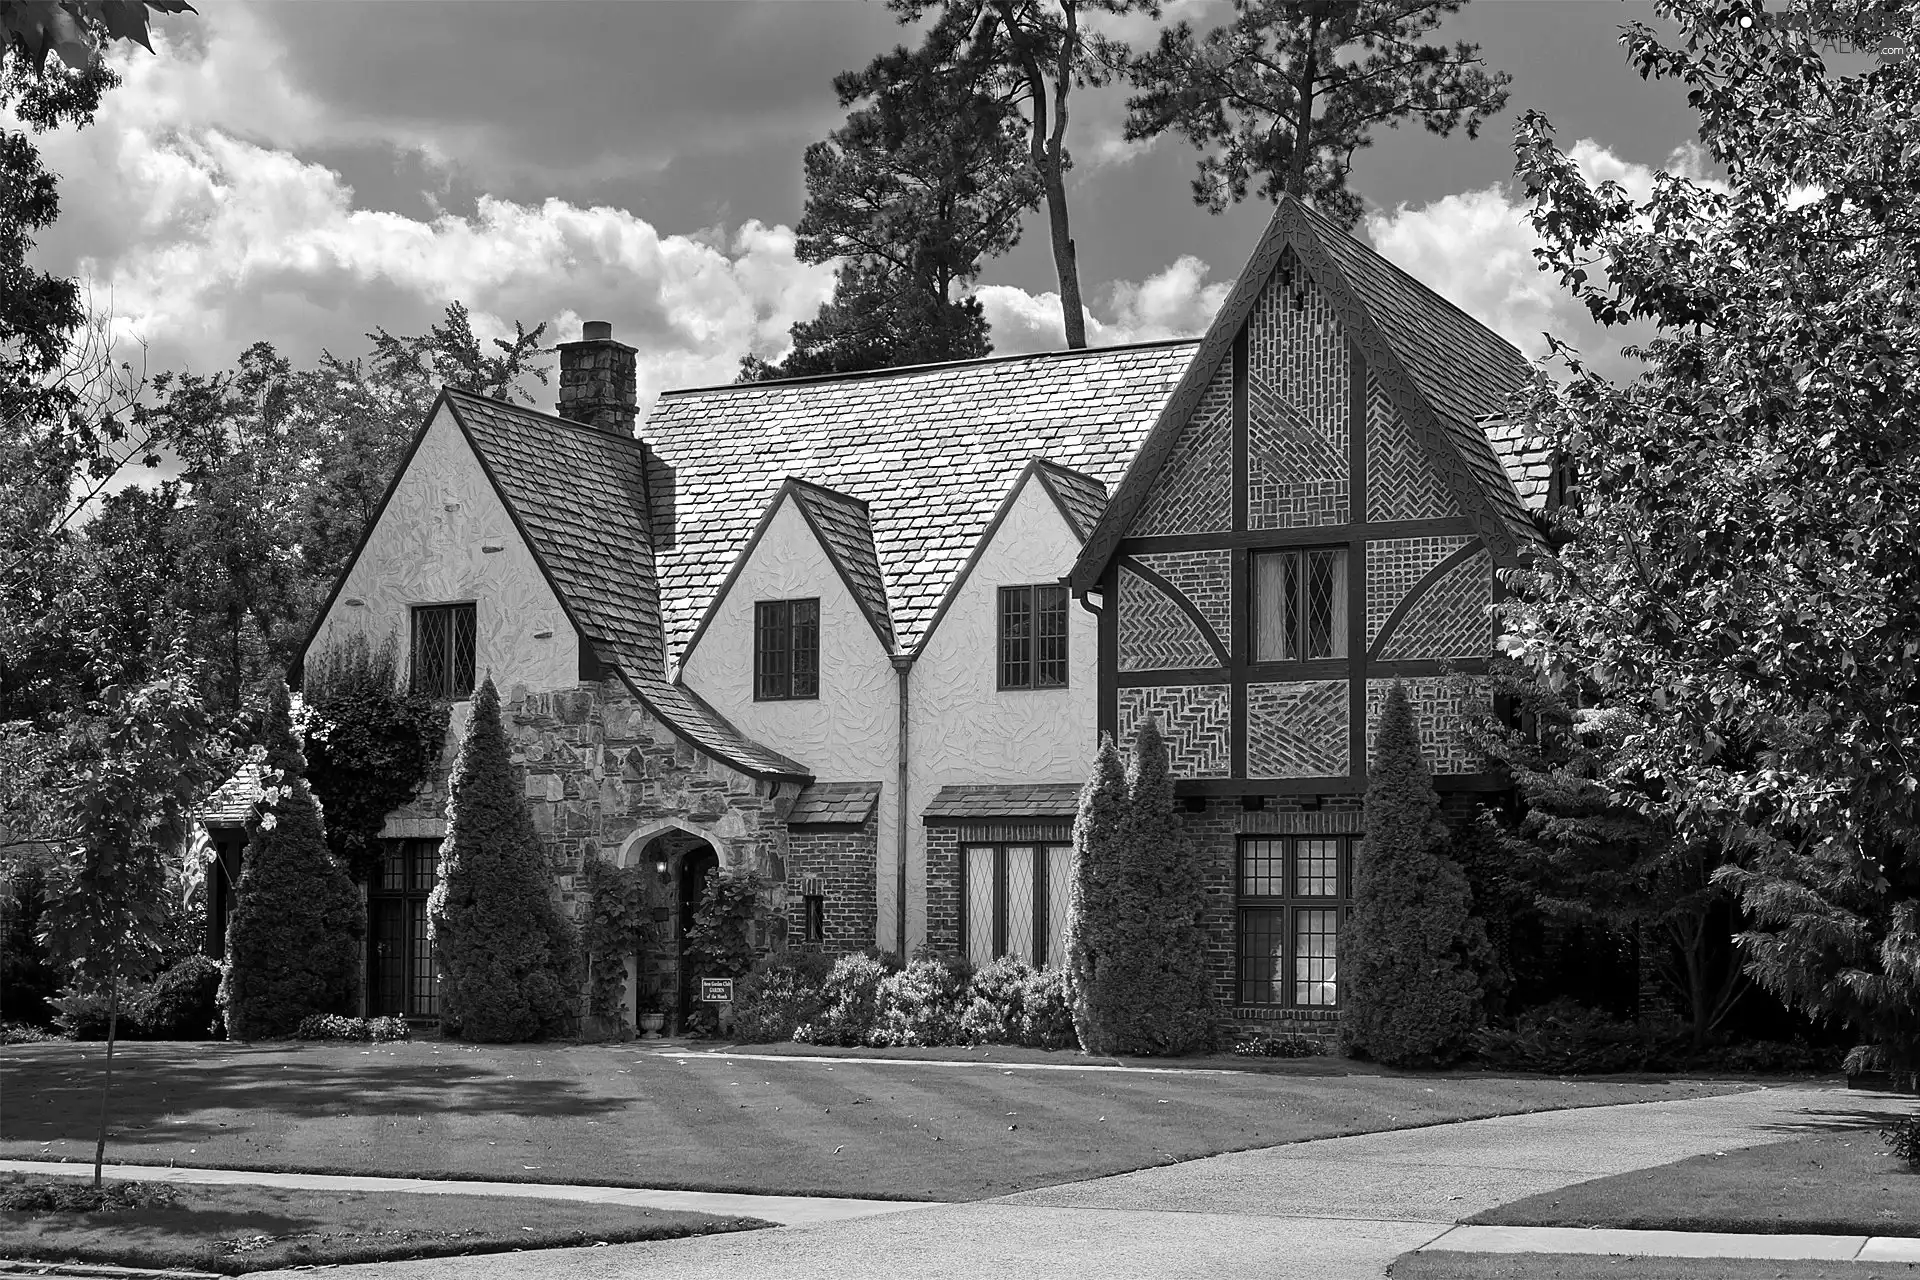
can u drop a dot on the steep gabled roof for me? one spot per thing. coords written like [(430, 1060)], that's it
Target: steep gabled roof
[(845, 528), (932, 450), (1527, 455), (1443, 370), (1081, 497)]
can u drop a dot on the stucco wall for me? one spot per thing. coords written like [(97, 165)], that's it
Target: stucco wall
[(964, 728), (848, 733), (428, 549)]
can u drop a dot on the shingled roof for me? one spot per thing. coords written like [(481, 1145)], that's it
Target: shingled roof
[(932, 450), (845, 528), (1527, 455)]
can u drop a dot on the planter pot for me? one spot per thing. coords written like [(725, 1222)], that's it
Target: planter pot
[(650, 1024)]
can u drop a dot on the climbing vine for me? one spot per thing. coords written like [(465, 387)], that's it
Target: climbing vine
[(619, 925), (720, 942), (370, 743)]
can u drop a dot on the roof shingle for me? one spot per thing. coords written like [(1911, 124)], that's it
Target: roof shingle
[(834, 804), (1006, 800), (846, 530)]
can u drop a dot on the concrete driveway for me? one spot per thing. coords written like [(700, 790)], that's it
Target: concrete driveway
[(1338, 1209)]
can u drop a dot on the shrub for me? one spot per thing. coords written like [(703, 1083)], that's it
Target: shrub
[(996, 1002), (28, 977), (24, 1033), (783, 993), (1412, 951), (921, 1004), (851, 1000), (1565, 1038), (1096, 936), (1284, 1046), (508, 960), (292, 941), (1903, 1140), (1764, 1057), (183, 1002), (1046, 1018), (69, 1195), (81, 1014), (333, 1026)]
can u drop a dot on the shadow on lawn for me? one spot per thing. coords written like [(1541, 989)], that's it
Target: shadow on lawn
[(164, 1092), (1835, 1120)]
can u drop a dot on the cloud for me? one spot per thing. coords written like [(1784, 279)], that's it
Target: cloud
[(1175, 302)]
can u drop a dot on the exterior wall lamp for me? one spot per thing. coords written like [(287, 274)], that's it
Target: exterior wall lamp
[(660, 868)]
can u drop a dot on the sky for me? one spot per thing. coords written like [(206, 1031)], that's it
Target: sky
[(305, 171)]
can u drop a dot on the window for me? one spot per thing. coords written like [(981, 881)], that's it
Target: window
[(402, 982), (443, 650), (816, 918), (786, 650), (1300, 604), (1292, 898), (1033, 637), (1015, 899)]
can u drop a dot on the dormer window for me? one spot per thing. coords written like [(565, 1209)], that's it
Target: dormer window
[(443, 650), (786, 650)]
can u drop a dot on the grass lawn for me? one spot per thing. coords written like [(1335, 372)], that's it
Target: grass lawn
[(1580, 1266), (238, 1229), (1837, 1183), (623, 1115)]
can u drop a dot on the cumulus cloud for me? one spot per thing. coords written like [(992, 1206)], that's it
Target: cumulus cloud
[(1176, 302)]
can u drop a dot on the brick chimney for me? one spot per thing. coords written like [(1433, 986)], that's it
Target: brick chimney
[(598, 384)]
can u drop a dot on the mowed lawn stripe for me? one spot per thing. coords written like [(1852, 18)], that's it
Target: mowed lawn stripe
[(613, 1115)]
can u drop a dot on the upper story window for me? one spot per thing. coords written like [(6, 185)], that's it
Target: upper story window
[(1292, 899), (1300, 604), (443, 650), (786, 649), (1033, 637)]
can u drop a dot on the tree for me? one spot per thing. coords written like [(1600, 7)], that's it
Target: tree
[(1410, 949), (1268, 96), (142, 758), (1742, 578), (505, 954), (449, 355), (293, 941), (873, 322), (1029, 55), (1093, 941)]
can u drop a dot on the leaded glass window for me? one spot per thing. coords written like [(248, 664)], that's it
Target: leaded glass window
[(443, 650), (1300, 604), (1016, 901)]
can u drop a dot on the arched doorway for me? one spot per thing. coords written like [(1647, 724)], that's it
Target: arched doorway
[(698, 866)]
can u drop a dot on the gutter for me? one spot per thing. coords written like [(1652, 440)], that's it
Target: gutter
[(902, 667)]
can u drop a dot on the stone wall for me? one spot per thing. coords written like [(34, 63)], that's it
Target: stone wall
[(840, 863)]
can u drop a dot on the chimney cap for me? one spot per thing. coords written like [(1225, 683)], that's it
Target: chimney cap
[(596, 331)]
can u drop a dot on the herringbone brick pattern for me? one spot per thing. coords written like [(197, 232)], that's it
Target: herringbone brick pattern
[(1205, 578), (1296, 467), (1196, 718), (1449, 619), (1437, 708), (1393, 566), (1401, 482), (1155, 633), (1194, 490), (1298, 729), (1295, 343)]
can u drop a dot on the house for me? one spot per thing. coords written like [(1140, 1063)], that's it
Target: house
[(1320, 510)]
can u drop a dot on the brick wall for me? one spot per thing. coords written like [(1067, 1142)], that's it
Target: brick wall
[(943, 890), (839, 863)]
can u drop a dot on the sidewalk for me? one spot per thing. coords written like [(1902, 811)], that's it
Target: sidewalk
[(783, 1210), (1676, 1244)]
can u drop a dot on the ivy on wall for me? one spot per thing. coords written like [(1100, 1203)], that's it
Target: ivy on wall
[(370, 744), (720, 942), (619, 925)]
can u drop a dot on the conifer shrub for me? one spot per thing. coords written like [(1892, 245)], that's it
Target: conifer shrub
[(1097, 933), (508, 960), (1411, 951), (293, 938)]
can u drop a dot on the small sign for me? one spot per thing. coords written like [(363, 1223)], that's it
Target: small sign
[(716, 990)]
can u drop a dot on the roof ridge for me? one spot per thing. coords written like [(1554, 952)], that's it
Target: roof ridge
[(1072, 471), (531, 412), (897, 370), (829, 490)]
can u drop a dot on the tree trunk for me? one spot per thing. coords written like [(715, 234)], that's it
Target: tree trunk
[(1303, 114), (106, 1081), (1072, 317)]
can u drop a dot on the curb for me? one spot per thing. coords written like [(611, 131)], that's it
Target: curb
[(98, 1271)]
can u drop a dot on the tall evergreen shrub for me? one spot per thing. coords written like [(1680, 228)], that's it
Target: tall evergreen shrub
[(293, 939), (1095, 937), (1411, 949), (506, 955)]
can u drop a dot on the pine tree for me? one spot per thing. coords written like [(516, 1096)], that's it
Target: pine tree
[(293, 939), (1099, 828), (1409, 957), (505, 954)]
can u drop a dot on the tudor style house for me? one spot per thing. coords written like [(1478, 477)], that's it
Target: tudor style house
[(1319, 511), (860, 633)]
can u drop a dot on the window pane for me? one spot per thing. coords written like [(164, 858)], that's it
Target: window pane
[(1325, 606), (1316, 868), (1050, 671), (770, 648), (1020, 902), (389, 956), (806, 648), (424, 996), (460, 624), (1059, 902), (430, 674), (393, 866), (1262, 873), (1316, 949), (1273, 595), (1016, 638), (978, 870), (1263, 956)]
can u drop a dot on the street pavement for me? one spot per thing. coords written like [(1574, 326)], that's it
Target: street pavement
[(1337, 1209)]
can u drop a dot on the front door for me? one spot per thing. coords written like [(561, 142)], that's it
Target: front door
[(400, 980), (697, 870)]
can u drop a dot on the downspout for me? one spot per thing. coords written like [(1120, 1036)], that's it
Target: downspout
[(902, 667)]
